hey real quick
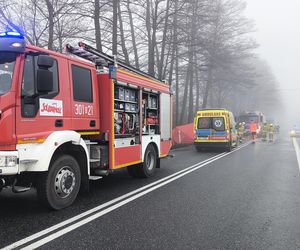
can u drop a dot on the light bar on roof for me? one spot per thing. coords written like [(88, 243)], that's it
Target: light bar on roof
[(12, 41)]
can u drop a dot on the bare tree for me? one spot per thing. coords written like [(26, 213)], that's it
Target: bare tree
[(115, 27)]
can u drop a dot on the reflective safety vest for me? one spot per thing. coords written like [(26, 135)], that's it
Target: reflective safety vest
[(253, 127)]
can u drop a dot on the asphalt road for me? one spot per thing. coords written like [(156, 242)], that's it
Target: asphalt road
[(248, 199)]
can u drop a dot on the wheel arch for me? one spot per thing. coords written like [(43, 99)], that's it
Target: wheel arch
[(38, 157), (79, 154), (153, 140)]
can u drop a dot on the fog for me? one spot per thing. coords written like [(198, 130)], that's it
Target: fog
[(278, 33)]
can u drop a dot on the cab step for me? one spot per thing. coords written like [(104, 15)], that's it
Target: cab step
[(95, 178)]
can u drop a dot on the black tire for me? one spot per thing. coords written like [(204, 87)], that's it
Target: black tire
[(148, 167), (59, 187)]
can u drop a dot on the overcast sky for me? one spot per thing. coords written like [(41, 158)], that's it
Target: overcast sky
[(278, 33)]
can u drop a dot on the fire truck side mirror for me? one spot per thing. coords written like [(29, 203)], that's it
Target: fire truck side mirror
[(45, 61), (44, 75), (44, 81)]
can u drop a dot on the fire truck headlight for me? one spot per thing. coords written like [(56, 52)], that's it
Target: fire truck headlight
[(8, 161)]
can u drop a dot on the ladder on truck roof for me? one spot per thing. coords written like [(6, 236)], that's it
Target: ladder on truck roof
[(102, 59)]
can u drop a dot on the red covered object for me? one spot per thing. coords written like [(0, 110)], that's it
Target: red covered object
[(183, 134), (152, 120)]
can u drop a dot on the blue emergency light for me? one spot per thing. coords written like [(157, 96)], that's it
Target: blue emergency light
[(12, 41), (11, 34)]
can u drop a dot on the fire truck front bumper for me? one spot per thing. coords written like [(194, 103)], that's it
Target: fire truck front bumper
[(9, 162)]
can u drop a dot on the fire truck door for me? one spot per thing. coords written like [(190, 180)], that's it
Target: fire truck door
[(38, 115), (84, 95)]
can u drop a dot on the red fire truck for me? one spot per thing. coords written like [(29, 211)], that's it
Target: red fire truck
[(68, 119)]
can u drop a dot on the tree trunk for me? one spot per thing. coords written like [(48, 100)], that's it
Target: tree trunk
[(176, 85), (191, 96), (132, 31), (115, 28), (152, 36), (165, 65), (207, 88), (174, 43), (51, 24), (197, 105), (97, 25), (185, 94), (193, 52), (124, 49), (163, 45), (149, 37)]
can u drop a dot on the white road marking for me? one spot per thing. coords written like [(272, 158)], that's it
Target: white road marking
[(93, 210), (122, 200), (297, 149)]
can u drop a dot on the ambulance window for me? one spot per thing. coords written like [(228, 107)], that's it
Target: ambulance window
[(204, 123), (218, 123), (82, 84)]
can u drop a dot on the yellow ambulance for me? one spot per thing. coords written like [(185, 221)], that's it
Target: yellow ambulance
[(215, 128)]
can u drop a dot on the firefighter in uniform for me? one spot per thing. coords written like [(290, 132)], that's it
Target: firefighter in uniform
[(264, 132), (277, 128), (253, 130), (241, 131), (271, 132)]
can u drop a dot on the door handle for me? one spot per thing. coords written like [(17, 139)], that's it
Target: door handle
[(92, 123), (59, 123)]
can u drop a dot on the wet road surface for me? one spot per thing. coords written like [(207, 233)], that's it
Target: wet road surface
[(249, 198)]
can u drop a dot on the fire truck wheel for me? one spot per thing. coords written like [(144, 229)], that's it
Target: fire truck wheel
[(147, 168), (58, 188)]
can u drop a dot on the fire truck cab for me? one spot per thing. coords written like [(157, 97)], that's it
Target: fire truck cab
[(65, 120)]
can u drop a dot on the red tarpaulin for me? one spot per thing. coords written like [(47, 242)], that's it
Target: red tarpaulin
[(183, 134)]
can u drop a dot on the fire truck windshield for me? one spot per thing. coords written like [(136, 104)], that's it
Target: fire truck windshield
[(7, 64), (249, 118)]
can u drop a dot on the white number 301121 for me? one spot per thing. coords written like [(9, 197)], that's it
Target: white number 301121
[(81, 109)]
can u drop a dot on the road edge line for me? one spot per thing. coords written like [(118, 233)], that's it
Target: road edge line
[(297, 150)]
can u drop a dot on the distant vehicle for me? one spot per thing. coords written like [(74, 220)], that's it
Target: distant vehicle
[(252, 116), (215, 128), (295, 132)]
